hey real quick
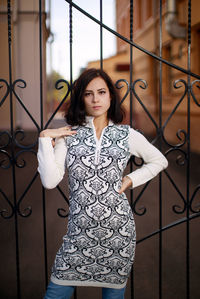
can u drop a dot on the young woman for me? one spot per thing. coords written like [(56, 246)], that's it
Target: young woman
[(99, 246)]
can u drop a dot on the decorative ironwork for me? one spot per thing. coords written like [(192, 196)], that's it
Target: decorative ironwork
[(12, 148)]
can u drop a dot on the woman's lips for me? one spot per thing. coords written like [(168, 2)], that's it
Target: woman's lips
[(96, 107)]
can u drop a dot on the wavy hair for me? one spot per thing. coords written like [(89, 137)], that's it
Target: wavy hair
[(76, 111)]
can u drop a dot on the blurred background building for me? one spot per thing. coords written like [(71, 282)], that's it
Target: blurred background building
[(25, 60), (26, 63), (33, 220), (146, 28)]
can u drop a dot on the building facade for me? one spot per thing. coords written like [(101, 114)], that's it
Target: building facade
[(25, 60), (146, 24)]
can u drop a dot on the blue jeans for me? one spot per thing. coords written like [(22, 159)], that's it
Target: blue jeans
[(55, 291)]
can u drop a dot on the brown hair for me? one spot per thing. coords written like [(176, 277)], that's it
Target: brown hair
[(76, 112)]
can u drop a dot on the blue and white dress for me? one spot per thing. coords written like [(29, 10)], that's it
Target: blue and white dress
[(99, 246)]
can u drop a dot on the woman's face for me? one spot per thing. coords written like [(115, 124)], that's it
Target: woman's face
[(97, 98)]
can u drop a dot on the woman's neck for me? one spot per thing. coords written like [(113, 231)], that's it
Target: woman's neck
[(100, 123)]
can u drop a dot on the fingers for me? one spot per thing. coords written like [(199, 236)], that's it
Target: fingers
[(66, 131), (126, 183), (69, 131), (121, 190), (56, 133)]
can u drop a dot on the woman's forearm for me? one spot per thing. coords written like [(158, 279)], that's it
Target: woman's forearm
[(51, 162)]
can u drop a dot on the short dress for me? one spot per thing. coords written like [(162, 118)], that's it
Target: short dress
[(99, 246)]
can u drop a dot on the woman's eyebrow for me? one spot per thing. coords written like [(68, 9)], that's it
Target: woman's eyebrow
[(102, 88)]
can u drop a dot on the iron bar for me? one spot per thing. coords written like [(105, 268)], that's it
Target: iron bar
[(71, 42), (169, 226), (160, 148), (24, 107), (62, 101), (12, 159), (41, 66), (22, 197), (185, 71), (101, 35), (71, 64), (144, 86), (42, 124), (131, 122), (188, 159), (12, 150)]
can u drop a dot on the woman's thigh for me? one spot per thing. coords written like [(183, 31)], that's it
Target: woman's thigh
[(108, 293), (55, 291)]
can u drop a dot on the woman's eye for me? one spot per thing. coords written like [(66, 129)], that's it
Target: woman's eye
[(87, 94), (102, 92)]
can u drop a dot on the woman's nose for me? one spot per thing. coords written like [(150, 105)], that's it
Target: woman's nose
[(95, 98)]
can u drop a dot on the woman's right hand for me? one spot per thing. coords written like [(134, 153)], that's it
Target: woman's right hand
[(56, 133)]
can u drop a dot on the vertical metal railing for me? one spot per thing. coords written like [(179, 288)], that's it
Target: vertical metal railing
[(132, 95), (12, 143), (188, 156), (42, 126), (101, 34), (159, 132), (131, 123), (71, 42)]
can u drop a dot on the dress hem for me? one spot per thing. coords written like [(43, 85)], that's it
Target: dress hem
[(87, 283)]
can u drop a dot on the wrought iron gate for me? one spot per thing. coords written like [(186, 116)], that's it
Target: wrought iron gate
[(12, 151)]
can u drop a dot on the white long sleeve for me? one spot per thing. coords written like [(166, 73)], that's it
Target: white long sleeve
[(51, 161), (154, 161)]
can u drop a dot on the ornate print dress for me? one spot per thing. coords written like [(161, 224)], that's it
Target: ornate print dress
[(99, 246)]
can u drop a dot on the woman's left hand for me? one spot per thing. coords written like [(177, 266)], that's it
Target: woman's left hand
[(126, 183)]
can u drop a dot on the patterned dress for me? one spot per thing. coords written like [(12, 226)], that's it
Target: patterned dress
[(99, 247)]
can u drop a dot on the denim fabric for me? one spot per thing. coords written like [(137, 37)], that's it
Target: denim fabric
[(55, 291), (108, 293)]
